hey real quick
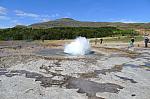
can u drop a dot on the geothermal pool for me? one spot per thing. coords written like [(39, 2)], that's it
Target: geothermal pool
[(79, 46), (60, 52)]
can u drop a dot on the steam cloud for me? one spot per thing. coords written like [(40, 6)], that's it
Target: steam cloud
[(80, 46)]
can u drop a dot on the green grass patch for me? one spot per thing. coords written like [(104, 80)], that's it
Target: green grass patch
[(123, 39)]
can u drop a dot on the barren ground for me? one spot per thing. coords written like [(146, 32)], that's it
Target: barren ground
[(33, 70)]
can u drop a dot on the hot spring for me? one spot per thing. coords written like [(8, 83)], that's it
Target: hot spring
[(80, 46)]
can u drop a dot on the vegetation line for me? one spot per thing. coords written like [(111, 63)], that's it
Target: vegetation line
[(59, 33)]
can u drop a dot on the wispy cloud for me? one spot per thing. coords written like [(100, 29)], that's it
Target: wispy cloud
[(12, 18), (4, 18), (55, 15), (45, 18), (39, 17), (16, 22), (3, 10), (125, 20), (67, 15), (25, 14)]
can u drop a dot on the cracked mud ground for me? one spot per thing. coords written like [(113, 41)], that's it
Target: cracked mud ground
[(112, 74)]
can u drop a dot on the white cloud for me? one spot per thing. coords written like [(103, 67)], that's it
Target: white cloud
[(42, 18), (45, 18), (25, 14), (125, 20), (3, 10), (11, 23), (55, 15), (16, 22), (68, 15), (4, 18), (4, 27)]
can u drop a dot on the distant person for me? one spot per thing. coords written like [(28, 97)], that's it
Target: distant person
[(42, 38), (146, 41), (132, 42), (95, 41), (101, 41)]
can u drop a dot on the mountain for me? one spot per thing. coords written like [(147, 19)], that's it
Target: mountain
[(68, 22), (20, 26), (65, 20)]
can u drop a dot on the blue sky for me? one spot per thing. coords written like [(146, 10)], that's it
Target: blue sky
[(25, 12)]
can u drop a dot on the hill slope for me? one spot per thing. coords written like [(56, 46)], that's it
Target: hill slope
[(68, 22)]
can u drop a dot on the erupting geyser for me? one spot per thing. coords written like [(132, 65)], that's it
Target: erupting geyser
[(80, 46)]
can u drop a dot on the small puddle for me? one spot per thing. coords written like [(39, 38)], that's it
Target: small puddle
[(147, 64), (131, 65)]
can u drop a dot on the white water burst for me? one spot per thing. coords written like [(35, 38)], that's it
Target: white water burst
[(80, 46)]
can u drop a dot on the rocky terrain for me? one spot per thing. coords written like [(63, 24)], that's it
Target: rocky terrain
[(35, 71)]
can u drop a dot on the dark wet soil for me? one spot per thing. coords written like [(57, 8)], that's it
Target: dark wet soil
[(116, 68), (84, 86), (146, 66), (45, 81), (131, 65), (91, 88), (13, 47), (126, 79)]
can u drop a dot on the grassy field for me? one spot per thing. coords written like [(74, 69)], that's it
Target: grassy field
[(122, 39)]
